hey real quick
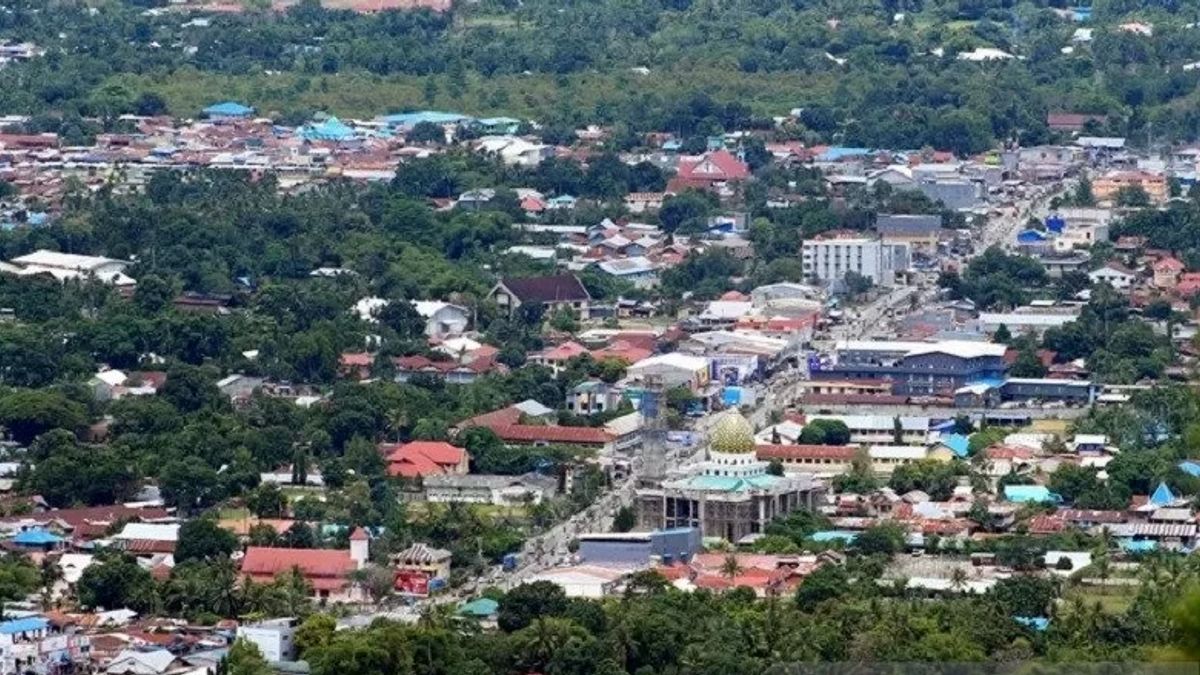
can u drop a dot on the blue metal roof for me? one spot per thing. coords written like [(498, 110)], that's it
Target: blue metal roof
[(24, 625), (1190, 467), (433, 116), (36, 537), (957, 443), (835, 153), (1031, 236), (1038, 623), (229, 109), (833, 535), (331, 129), (1030, 493), (1162, 495)]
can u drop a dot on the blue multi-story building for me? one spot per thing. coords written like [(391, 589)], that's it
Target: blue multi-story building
[(915, 368)]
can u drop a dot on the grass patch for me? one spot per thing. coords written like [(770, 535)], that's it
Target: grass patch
[(240, 513), (1112, 599)]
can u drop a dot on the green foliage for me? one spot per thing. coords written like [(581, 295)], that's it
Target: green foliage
[(204, 539), (26, 413), (825, 432), (116, 582), (882, 539), (937, 479)]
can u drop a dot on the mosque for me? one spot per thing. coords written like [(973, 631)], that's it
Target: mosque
[(729, 495)]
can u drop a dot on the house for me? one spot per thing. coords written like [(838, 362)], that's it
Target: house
[(593, 396), (1106, 187), (424, 458), (556, 358), (711, 170), (1114, 274), (1075, 122), (433, 562), (488, 489), (552, 293), (583, 581), (148, 661), (111, 385), (1166, 272), (327, 570), (672, 370), (639, 271), (355, 365), (641, 202), (442, 319), (148, 539), (920, 232)]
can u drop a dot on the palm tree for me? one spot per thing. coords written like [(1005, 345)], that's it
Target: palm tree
[(1103, 569), (396, 421), (958, 579), (730, 567)]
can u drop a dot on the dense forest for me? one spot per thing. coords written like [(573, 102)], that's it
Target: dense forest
[(880, 74)]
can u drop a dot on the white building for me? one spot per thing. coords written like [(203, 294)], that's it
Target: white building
[(827, 259), (442, 319), (66, 266), (1114, 275), (275, 638), (583, 581)]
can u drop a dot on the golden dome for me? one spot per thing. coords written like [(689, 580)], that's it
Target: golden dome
[(732, 434)]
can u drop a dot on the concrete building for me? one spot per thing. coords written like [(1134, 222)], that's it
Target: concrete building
[(827, 258), (275, 638), (639, 548), (914, 368), (488, 489), (920, 232), (673, 370), (730, 495)]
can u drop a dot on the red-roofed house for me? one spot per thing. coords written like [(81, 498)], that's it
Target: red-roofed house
[(809, 458), (355, 365), (556, 357), (1189, 284), (327, 570), (1166, 272), (424, 458), (710, 170)]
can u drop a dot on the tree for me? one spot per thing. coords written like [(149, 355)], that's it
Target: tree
[(861, 477), (825, 583), (189, 484), (1002, 335), (825, 432), (27, 413), (245, 659), (114, 583), (1083, 193), (315, 632), (204, 539), (1027, 364), (934, 477), (153, 294), (267, 501), (730, 567), (883, 539), (624, 520), (897, 431), (1025, 595), (775, 467), (426, 133), (1134, 196), (520, 606)]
